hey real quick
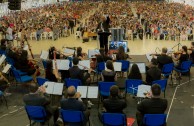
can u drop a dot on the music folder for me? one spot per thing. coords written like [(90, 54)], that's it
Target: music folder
[(93, 52), (54, 88), (142, 90), (117, 66), (6, 68), (88, 91), (141, 66), (68, 51), (44, 54), (2, 59), (84, 64), (61, 64), (149, 57)]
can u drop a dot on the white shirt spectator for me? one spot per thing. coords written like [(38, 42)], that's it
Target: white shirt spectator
[(9, 35)]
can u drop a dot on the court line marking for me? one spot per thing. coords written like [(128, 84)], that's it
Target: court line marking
[(174, 97)]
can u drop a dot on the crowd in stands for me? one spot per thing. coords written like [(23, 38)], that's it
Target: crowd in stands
[(164, 20), (49, 21)]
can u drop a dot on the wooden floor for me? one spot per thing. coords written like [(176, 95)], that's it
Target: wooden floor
[(137, 47)]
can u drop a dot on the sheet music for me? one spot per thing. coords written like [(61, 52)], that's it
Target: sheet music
[(64, 65), (58, 89), (2, 59), (149, 57), (6, 68), (57, 62), (92, 92), (25, 47), (85, 63), (82, 90), (44, 55), (69, 51), (141, 67), (117, 66), (92, 53), (143, 89), (170, 50), (49, 87)]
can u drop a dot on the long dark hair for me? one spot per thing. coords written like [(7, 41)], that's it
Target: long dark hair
[(135, 72), (121, 53), (109, 65), (184, 48)]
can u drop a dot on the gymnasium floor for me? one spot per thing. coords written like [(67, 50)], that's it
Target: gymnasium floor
[(180, 99)]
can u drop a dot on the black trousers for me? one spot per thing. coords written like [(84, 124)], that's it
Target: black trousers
[(104, 43)]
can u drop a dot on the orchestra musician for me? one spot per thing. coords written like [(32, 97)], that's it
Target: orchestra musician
[(102, 57), (181, 57), (80, 54), (76, 73), (164, 58), (152, 72), (121, 55), (26, 65), (191, 52), (109, 75), (52, 74)]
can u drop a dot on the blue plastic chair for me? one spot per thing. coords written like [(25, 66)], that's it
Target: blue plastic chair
[(113, 119), (131, 86), (2, 96), (2, 52), (167, 70), (41, 80), (71, 116), (185, 67), (36, 113), (162, 84), (125, 65), (20, 72), (99, 68), (21, 79), (10, 61), (72, 82), (154, 119), (104, 89)]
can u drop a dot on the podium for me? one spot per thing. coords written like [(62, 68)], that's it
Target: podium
[(103, 37), (116, 34)]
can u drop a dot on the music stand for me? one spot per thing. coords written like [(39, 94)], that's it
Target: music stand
[(179, 44)]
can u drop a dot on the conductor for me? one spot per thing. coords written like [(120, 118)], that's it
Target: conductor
[(103, 32)]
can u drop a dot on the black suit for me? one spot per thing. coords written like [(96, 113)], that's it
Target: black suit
[(154, 73), (72, 104), (103, 33), (151, 106), (163, 59), (76, 105), (114, 105), (76, 73), (37, 100)]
